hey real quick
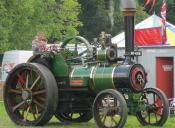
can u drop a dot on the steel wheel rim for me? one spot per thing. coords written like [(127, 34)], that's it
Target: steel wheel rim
[(109, 115), (25, 95), (154, 108)]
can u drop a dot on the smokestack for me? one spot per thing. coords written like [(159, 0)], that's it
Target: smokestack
[(129, 10)]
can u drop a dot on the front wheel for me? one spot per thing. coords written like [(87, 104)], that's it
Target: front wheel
[(156, 108), (110, 109)]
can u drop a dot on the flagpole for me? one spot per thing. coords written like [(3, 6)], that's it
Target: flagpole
[(162, 34), (163, 15)]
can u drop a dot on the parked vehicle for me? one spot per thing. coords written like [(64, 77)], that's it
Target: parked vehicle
[(13, 58)]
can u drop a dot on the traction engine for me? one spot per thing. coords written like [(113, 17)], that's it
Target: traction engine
[(88, 81)]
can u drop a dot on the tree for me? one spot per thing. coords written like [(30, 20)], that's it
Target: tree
[(94, 16), (170, 11), (22, 19), (104, 15), (5, 27)]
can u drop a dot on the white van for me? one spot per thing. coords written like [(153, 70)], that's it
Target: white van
[(11, 59)]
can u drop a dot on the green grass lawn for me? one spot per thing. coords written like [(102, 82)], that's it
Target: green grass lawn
[(132, 122)]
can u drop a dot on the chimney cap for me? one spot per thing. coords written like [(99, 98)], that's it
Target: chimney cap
[(128, 5)]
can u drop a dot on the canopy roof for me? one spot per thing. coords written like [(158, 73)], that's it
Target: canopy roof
[(149, 32)]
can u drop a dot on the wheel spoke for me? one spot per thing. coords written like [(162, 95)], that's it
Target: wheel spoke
[(33, 113), (115, 108), (31, 76), (160, 107), (34, 83), (41, 99), (114, 120), (15, 91), (154, 98), (27, 112), (36, 108), (155, 116), (18, 105), (39, 85), (38, 92), (102, 110), (101, 116), (38, 104), (157, 113), (27, 81), (147, 98), (111, 122), (23, 111), (18, 86), (71, 115), (104, 119), (34, 116), (145, 114)]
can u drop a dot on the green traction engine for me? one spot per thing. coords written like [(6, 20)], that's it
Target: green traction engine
[(84, 82)]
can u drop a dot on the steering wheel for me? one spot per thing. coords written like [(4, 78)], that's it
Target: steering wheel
[(82, 51)]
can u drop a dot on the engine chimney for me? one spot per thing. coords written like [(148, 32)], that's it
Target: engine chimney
[(129, 10)]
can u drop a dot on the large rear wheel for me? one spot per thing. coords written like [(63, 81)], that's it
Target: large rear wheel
[(156, 109), (30, 94), (110, 109)]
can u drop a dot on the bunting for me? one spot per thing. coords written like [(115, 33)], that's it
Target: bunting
[(147, 2), (153, 4), (163, 15)]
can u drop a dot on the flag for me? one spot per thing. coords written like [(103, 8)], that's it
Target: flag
[(147, 2), (163, 15), (153, 4)]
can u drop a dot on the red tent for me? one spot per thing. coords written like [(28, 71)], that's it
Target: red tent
[(149, 36), (149, 33)]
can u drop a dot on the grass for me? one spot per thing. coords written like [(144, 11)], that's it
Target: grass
[(132, 122)]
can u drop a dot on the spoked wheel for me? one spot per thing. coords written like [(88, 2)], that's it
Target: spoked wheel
[(156, 109), (82, 49), (74, 117), (30, 94), (110, 109)]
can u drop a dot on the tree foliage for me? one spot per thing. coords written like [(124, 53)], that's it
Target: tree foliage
[(95, 17), (22, 19)]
